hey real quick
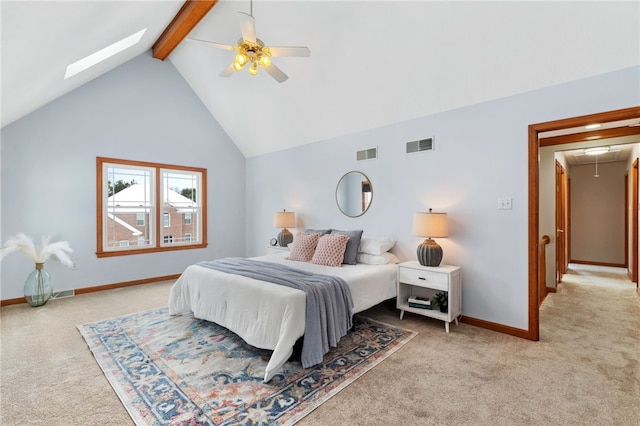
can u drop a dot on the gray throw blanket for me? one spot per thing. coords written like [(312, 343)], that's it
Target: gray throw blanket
[(329, 311)]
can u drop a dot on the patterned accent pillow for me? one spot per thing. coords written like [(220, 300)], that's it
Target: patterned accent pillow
[(303, 247), (330, 250)]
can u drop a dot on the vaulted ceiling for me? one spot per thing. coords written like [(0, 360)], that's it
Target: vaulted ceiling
[(372, 63)]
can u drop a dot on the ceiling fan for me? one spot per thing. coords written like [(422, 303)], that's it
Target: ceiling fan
[(252, 51)]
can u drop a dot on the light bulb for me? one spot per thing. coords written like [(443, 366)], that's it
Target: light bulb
[(241, 59), (265, 60), (253, 68), (237, 66)]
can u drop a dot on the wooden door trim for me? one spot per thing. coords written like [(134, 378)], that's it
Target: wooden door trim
[(634, 222), (567, 224), (560, 223), (627, 206), (533, 332)]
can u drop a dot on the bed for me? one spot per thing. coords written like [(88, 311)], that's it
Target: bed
[(266, 315)]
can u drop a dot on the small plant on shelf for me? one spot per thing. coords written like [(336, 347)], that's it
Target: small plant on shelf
[(442, 300)]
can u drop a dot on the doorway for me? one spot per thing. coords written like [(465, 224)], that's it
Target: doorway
[(534, 185)]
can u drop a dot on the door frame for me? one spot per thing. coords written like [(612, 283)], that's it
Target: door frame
[(533, 332), (561, 223), (634, 223)]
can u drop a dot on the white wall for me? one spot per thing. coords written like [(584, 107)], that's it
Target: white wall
[(142, 110), (480, 156)]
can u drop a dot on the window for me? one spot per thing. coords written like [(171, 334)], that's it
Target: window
[(150, 206)]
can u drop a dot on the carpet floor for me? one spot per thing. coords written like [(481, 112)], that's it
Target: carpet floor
[(171, 370), (585, 370)]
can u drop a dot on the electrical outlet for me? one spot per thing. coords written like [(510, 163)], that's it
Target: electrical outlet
[(504, 203)]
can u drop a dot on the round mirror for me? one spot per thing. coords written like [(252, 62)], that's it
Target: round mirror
[(354, 194)]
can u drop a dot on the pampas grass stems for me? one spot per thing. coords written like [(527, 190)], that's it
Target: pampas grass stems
[(41, 254)]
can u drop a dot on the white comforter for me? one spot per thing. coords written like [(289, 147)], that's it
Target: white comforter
[(271, 316)]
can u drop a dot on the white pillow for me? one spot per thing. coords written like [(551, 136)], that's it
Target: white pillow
[(377, 259), (375, 245)]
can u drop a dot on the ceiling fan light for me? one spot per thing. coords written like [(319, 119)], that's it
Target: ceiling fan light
[(241, 59), (237, 66), (253, 68), (596, 151), (265, 60)]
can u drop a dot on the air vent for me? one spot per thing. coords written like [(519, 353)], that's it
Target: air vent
[(367, 154), (421, 145), (63, 293)]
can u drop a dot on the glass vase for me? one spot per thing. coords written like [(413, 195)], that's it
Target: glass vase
[(38, 287)]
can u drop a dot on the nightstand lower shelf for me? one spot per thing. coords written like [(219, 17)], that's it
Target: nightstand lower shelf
[(442, 316)]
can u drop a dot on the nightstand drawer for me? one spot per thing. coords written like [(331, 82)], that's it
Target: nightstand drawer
[(429, 279)]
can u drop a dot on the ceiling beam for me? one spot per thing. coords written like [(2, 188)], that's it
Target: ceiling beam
[(191, 12)]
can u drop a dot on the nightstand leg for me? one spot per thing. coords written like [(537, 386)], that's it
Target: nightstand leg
[(446, 326), (456, 318), (401, 314)]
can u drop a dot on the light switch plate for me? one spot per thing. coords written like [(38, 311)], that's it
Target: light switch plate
[(504, 203)]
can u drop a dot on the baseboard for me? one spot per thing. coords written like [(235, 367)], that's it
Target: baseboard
[(102, 287), (552, 289), (588, 262), (500, 328)]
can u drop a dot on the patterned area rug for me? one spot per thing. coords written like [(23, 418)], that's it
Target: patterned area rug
[(179, 370)]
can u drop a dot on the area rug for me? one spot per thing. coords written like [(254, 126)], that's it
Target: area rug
[(178, 370)]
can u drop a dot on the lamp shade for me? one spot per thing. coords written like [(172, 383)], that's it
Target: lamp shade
[(430, 225), (284, 219)]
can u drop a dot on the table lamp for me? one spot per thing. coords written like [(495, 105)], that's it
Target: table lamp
[(430, 225), (283, 220)]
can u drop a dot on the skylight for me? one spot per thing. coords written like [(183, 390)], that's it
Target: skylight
[(103, 54)]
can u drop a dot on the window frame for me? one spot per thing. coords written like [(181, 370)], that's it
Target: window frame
[(158, 208)]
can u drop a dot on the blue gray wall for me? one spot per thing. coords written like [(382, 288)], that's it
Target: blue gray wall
[(480, 156), (142, 110)]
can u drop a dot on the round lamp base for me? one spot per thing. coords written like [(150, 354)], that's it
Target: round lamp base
[(285, 237), (429, 253)]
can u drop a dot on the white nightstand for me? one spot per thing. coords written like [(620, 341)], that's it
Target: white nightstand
[(276, 249), (425, 281)]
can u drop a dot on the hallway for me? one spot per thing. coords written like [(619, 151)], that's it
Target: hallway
[(593, 321)]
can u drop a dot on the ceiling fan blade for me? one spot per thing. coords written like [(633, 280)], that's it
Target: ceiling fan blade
[(227, 72), (247, 26), (211, 43), (289, 51), (276, 73)]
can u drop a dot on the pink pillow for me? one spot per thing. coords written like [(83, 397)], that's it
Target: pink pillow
[(303, 247), (330, 250)]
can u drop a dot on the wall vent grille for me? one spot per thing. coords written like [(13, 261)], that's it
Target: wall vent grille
[(421, 145), (367, 154), (63, 293)]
